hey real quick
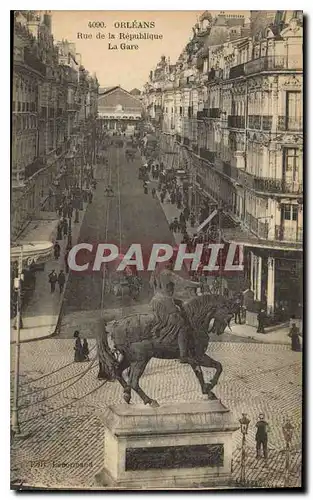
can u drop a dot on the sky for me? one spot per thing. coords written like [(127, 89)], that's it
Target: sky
[(127, 68)]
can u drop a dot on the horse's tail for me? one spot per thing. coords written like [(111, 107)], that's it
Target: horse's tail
[(107, 361)]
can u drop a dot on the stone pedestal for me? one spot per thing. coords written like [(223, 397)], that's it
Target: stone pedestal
[(182, 445)]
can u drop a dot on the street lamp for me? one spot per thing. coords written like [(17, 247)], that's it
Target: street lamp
[(244, 425), (288, 432)]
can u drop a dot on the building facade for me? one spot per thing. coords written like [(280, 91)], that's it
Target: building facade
[(118, 110), (54, 109), (231, 116)]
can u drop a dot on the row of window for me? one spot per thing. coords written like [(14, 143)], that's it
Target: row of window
[(24, 123), (21, 107)]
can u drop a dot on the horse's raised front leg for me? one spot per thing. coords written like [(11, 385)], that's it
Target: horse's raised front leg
[(211, 363), (136, 370)]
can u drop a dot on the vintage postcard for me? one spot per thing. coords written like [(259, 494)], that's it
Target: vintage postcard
[(156, 250)]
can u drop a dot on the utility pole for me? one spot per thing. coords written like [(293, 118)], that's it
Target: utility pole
[(219, 209), (19, 279)]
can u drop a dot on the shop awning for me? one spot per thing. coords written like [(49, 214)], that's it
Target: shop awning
[(226, 221), (36, 252), (247, 239), (39, 230)]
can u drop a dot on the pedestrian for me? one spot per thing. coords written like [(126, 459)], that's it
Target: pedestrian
[(145, 189), (186, 212), (294, 334), (70, 210), (78, 348), (192, 219), (85, 350), (175, 225), (52, 280), (65, 211), (57, 250), (59, 232), (61, 280), (90, 196), (261, 436), (237, 311), (153, 192), (162, 196), (182, 219), (65, 227), (261, 321)]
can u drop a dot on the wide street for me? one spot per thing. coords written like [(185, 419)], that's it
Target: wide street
[(60, 400), (129, 217)]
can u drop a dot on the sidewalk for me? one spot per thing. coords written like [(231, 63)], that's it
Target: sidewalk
[(278, 335), (171, 211), (41, 314)]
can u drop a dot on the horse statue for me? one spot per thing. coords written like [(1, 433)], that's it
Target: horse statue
[(134, 341)]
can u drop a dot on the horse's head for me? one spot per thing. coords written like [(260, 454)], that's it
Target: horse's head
[(221, 320)]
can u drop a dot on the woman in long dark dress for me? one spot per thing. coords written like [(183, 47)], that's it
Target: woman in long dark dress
[(85, 350), (78, 348), (294, 334)]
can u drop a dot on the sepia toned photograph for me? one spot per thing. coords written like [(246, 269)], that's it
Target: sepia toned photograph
[(156, 258)]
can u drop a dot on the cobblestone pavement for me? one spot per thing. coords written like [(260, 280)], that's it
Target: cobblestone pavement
[(63, 443)]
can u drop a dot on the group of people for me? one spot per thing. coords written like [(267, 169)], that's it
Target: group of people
[(55, 278), (81, 350)]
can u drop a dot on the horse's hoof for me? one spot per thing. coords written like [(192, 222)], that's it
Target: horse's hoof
[(154, 404), (211, 396), (127, 398)]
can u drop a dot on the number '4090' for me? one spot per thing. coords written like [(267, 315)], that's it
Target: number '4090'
[(96, 24)]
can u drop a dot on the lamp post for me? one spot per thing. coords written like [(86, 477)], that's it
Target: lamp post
[(288, 432), (17, 286), (244, 425)]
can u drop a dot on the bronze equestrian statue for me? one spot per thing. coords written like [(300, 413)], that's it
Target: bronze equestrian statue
[(140, 337)]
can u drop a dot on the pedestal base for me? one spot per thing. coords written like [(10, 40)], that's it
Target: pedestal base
[(184, 445)]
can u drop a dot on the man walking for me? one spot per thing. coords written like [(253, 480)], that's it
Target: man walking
[(57, 250), (261, 436), (52, 280), (61, 280), (261, 321)]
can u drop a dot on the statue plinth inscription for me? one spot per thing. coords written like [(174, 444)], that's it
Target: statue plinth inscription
[(173, 446)]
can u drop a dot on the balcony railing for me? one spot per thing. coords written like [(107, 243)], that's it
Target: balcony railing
[(267, 184), (256, 226), (236, 121), (289, 234), (214, 112), (254, 122), (237, 71), (289, 123), (202, 114), (273, 63)]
